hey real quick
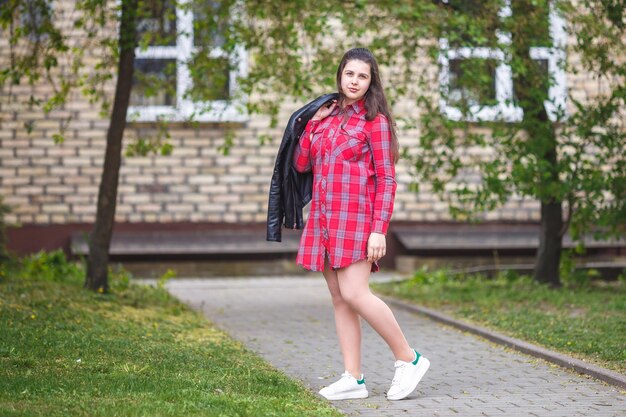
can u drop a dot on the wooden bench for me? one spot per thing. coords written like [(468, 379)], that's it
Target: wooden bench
[(485, 238), (187, 244)]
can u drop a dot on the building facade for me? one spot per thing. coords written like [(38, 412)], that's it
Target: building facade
[(54, 187)]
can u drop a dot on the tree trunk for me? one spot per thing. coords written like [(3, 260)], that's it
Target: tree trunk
[(532, 90), (100, 238), (550, 244)]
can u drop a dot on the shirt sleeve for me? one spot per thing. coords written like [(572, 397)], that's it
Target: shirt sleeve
[(384, 167), (301, 156)]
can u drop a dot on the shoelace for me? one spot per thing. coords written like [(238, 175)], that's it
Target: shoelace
[(346, 375), (399, 374), (339, 382)]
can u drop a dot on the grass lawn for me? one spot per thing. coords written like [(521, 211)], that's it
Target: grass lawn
[(587, 321), (65, 351)]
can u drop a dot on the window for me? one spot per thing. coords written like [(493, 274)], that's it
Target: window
[(34, 18), (464, 91), (162, 81), (463, 101)]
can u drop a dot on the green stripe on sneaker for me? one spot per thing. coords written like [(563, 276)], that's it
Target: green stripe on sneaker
[(361, 381), (417, 357)]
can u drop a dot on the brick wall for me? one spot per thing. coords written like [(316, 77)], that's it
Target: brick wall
[(46, 183)]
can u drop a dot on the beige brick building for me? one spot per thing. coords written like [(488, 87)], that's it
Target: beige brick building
[(52, 189)]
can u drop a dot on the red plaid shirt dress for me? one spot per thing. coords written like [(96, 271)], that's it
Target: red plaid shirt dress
[(353, 186)]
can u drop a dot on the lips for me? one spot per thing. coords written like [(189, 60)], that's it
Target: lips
[(353, 90)]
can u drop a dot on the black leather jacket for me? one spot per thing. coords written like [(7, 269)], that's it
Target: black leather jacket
[(290, 190)]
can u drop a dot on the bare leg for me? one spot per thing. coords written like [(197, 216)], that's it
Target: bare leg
[(353, 283), (348, 326)]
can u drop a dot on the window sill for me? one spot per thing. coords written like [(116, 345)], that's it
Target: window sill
[(221, 112)]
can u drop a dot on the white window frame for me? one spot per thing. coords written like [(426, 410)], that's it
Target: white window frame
[(555, 105), (184, 108)]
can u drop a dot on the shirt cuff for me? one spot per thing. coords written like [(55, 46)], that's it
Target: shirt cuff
[(380, 226)]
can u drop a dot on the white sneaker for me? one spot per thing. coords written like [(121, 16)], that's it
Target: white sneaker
[(347, 388), (407, 376)]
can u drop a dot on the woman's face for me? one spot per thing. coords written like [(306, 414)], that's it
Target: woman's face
[(355, 80)]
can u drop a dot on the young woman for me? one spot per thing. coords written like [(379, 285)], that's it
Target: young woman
[(351, 146)]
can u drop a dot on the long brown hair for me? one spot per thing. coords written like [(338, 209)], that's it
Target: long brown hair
[(375, 100)]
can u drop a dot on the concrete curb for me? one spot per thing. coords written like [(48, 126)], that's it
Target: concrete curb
[(577, 365)]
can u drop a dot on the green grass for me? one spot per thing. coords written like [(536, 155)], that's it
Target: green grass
[(65, 351), (587, 321)]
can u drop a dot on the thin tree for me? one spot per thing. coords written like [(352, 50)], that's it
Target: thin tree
[(100, 237), (570, 160)]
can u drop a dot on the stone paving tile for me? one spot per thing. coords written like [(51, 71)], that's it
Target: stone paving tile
[(289, 322)]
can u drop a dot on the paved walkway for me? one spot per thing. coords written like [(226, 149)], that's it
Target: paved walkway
[(289, 322)]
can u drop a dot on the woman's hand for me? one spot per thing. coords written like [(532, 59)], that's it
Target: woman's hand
[(376, 247), (324, 111)]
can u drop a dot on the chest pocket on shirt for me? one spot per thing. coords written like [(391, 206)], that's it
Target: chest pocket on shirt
[(316, 143), (351, 144)]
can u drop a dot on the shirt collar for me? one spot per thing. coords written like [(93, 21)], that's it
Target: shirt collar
[(357, 106)]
